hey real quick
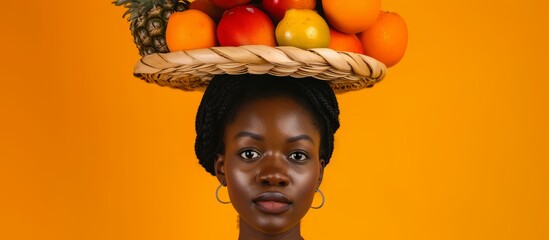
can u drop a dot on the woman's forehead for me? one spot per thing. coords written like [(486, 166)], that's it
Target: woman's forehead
[(281, 115)]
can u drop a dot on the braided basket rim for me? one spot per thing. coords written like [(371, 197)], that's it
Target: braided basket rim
[(192, 70)]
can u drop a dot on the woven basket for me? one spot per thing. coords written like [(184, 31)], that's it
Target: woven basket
[(193, 69)]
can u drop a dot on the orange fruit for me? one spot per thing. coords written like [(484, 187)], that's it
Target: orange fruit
[(387, 39), (346, 42), (351, 16), (191, 29)]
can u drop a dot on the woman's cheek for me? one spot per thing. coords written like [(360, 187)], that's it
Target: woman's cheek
[(239, 180)]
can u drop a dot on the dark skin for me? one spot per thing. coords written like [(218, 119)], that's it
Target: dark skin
[(271, 167)]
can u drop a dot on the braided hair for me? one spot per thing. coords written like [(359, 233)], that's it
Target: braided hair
[(226, 94)]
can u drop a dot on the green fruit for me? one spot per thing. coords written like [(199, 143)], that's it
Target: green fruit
[(303, 28)]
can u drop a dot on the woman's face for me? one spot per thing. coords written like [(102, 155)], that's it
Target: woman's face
[(271, 163)]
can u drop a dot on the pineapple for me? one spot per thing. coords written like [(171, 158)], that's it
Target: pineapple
[(148, 20)]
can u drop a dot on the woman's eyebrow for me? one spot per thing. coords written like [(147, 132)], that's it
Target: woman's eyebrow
[(249, 134), (300, 137)]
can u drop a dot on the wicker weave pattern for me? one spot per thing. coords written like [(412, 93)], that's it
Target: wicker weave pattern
[(193, 69)]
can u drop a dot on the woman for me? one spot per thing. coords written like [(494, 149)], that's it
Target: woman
[(267, 139)]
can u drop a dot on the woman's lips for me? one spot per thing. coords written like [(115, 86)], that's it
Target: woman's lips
[(272, 206), (272, 202)]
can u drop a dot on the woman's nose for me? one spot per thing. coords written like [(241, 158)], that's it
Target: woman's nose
[(273, 172)]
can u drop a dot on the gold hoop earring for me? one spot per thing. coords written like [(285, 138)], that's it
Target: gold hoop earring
[(217, 195), (323, 200)]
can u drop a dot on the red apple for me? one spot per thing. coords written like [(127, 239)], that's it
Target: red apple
[(227, 4), (277, 8), (207, 7), (245, 25)]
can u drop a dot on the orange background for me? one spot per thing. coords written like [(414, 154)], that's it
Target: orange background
[(451, 145)]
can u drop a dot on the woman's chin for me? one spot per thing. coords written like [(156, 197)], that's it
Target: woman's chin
[(272, 224)]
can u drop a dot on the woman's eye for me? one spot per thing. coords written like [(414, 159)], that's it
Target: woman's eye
[(249, 154), (298, 156)]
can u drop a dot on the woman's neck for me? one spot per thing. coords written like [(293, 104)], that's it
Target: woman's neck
[(248, 232)]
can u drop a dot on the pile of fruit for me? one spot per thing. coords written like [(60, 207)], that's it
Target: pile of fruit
[(358, 26)]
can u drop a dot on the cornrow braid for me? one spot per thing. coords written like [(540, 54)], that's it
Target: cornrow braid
[(226, 94), (207, 125), (323, 100)]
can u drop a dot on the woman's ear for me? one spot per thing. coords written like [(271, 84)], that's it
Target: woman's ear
[(219, 167), (321, 174)]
